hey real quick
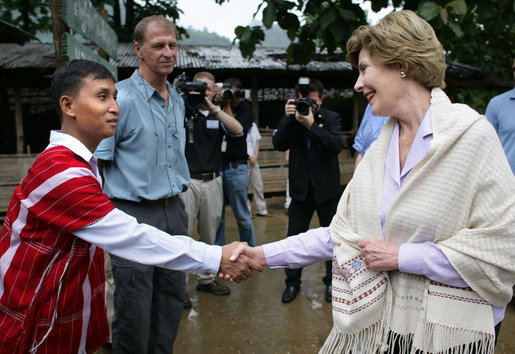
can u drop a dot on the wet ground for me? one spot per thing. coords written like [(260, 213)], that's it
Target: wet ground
[(252, 319)]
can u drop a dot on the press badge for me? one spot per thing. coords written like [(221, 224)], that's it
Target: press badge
[(224, 145), (212, 124)]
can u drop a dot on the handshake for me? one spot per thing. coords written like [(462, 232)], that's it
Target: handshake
[(239, 260)]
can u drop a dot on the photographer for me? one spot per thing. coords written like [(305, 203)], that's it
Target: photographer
[(206, 125), (235, 172), (313, 136)]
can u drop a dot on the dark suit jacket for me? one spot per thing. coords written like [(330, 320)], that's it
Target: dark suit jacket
[(326, 143)]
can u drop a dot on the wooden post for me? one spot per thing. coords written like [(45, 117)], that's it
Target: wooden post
[(254, 96), (355, 113), (18, 120), (101, 53), (58, 29)]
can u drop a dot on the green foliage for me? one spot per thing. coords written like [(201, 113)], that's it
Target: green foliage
[(248, 37), (324, 24), (476, 98), (476, 32), (30, 15), (135, 11)]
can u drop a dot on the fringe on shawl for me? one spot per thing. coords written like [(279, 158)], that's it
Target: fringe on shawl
[(369, 341)]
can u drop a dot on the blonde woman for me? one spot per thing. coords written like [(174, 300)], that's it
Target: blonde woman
[(423, 242)]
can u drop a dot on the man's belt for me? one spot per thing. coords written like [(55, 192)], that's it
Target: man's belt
[(204, 177), (234, 164), (164, 201)]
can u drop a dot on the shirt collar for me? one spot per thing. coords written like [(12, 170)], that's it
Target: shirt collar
[(144, 87), (419, 149), (61, 139)]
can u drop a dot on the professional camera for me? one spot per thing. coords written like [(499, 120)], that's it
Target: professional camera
[(303, 105), (193, 93), (228, 93)]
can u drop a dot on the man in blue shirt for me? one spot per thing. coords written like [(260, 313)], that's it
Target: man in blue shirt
[(501, 113), (368, 132), (144, 170)]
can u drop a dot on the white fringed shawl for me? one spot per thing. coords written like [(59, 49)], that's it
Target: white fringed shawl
[(461, 196)]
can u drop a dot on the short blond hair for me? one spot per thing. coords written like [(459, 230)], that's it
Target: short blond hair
[(204, 74), (405, 39), (140, 30)]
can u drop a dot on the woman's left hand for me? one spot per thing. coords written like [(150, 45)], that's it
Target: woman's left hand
[(380, 255)]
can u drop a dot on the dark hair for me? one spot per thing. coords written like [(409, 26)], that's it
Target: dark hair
[(315, 85), (234, 82), (67, 80)]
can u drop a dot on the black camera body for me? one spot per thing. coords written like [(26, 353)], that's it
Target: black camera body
[(193, 93), (228, 93), (303, 105)]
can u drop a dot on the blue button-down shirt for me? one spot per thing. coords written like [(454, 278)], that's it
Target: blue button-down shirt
[(501, 113), (368, 131), (145, 158)]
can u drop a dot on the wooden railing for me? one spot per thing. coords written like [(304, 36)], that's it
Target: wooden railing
[(274, 170)]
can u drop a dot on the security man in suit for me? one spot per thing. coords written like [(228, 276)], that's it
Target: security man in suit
[(313, 136)]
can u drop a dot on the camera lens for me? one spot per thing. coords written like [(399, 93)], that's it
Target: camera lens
[(303, 105), (227, 94)]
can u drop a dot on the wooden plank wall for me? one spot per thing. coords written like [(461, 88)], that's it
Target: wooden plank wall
[(274, 169), (12, 169)]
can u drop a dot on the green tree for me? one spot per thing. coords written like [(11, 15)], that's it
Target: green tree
[(30, 15), (477, 32), (135, 11)]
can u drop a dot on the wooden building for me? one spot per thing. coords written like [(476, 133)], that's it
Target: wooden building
[(28, 113)]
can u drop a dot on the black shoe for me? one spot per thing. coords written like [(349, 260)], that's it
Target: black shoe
[(329, 293), (214, 288), (187, 302), (290, 293)]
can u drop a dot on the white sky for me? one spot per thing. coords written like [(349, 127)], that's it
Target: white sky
[(223, 19)]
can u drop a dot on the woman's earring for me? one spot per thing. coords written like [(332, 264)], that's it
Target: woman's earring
[(403, 74)]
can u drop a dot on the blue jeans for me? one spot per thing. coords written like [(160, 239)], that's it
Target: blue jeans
[(236, 184)]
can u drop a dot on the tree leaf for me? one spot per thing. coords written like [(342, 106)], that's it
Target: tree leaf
[(338, 32), (459, 7), (269, 15), (347, 15), (456, 29), (444, 15), (327, 19), (428, 10)]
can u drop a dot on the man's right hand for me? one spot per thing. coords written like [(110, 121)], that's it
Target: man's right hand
[(235, 265), (290, 108)]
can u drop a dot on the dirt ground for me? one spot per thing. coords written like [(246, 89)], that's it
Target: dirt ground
[(252, 319)]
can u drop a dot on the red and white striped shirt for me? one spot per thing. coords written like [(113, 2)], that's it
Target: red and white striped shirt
[(48, 257), (52, 283)]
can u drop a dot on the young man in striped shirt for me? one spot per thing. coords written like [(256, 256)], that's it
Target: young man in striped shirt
[(52, 292)]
